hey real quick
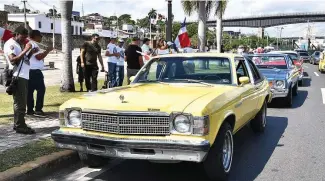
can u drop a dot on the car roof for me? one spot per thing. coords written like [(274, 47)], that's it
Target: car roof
[(201, 54), (268, 54)]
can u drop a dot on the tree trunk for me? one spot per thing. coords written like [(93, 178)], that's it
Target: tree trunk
[(219, 27), (67, 83), (202, 30)]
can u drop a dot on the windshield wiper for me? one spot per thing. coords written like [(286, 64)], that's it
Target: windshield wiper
[(194, 81)]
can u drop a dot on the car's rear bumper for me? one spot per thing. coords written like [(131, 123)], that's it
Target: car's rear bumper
[(147, 149)]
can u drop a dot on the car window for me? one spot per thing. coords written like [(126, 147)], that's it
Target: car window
[(303, 54), (256, 74), (213, 70), (241, 69)]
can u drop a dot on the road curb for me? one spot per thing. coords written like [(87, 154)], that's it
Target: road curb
[(41, 167)]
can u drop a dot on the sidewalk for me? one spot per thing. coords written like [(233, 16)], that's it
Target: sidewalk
[(9, 139)]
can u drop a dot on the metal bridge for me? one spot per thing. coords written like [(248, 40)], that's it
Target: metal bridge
[(266, 21)]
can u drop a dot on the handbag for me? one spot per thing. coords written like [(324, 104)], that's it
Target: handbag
[(14, 81)]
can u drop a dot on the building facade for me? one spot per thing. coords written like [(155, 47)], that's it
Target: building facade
[(45, 24)]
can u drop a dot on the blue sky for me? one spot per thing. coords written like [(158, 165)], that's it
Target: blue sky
[(235, 8)]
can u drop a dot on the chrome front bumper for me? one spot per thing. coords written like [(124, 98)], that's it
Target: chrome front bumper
[(144, 149), (279, 93)]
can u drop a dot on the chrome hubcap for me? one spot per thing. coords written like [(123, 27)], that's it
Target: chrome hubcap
[(227, 151)]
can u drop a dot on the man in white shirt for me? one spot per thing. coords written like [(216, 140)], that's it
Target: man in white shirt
[(17, 55), (113, 55), (146, 49), (120, 63), (36, 78)]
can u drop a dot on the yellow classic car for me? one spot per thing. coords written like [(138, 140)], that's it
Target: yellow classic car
[(321, 65), (179, 107)]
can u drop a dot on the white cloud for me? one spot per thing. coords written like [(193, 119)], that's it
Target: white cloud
[(235, 8)]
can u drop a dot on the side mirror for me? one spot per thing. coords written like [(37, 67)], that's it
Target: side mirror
[(132, 78), (243, 80)]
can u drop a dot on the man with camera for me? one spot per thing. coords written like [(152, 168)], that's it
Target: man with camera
[(18, 54)]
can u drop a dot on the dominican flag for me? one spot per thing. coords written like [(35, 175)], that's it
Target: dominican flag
[(5, 34), (182, 40)]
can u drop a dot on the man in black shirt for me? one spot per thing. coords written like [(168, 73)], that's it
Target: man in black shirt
[(90, 51), (133, 58)]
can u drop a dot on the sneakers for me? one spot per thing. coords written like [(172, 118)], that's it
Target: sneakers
[(24, 130), (30, 113)]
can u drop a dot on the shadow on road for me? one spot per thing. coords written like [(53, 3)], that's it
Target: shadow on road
[(251, 154), (298, 101), (252, 151), (307, 82)]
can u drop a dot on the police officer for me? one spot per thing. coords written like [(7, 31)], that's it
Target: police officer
[(16, 53)]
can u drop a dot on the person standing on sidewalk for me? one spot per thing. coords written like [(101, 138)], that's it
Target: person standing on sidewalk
[(113, 56), (90, 51), (36, 78), (133, 58), (17, 55), (146, 50), (120, 63)]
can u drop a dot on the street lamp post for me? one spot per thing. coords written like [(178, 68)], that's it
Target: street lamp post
[(169, 21)]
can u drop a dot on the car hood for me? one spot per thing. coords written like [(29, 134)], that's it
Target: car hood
[(146, 97), (274, 74)]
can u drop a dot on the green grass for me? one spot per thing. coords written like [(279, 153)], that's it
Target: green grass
[(20, 155)]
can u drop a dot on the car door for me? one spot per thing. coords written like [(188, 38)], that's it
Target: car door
[(245, 104)]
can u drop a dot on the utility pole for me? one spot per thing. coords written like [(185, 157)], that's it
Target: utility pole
[(54, 15), (169, 22), (24, 1)]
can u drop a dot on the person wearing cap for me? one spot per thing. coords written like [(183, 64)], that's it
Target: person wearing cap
[(113, 56), (120, 63), (18, 54), (36, 78), (133, 58), (90, 51)]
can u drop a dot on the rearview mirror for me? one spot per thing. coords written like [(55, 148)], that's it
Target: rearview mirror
[(244, 80), (132, 78)]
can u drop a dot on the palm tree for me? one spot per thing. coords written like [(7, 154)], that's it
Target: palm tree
[(67, 83), (152, 13), (220, 10)]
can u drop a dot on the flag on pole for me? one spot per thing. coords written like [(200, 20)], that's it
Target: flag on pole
[(5, 34), (182, 40)]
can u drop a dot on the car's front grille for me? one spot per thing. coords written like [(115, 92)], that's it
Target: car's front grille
[(128, 125)]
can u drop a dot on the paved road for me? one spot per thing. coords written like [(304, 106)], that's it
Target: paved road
[(291, 149)]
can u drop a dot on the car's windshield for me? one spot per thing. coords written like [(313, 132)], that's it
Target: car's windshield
[(210, 70), (293, 56), (317, 54), (303, 54), (269, 61)]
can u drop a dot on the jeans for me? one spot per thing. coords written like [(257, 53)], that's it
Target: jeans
[(20, 101), (119, 75), (91, 73), (112, 74), (35, 82)]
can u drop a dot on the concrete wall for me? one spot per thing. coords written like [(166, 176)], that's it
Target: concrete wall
[(77, 40)]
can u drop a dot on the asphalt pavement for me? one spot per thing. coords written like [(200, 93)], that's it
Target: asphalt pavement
[(292, 148)]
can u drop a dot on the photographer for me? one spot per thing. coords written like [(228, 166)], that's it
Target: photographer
[(16, 54)]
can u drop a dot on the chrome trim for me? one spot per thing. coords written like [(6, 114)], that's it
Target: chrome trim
[(129, 113), (158, 154), (276, 93)]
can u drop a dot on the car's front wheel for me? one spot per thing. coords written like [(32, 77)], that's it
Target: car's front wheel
[(259, 122), (92, 161), (288, 99), (301, 82), (219, 159)]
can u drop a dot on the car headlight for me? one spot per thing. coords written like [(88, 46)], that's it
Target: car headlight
[(73, 118), (279, 84), (182, 124), (187, 124)]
